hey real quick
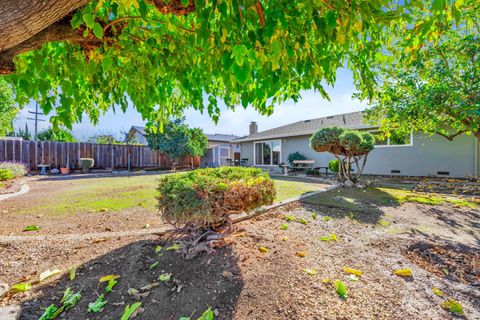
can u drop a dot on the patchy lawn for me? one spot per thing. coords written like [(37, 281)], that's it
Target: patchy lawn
[(272, 268), (79, 204)]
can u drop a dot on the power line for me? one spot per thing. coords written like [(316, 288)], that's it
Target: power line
[(36, 119)]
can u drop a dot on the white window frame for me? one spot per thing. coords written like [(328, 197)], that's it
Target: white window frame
[(271, 156), (388, 145)]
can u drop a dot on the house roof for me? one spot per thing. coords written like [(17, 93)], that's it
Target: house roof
[(353, 120), (221, 137), (210, 137)]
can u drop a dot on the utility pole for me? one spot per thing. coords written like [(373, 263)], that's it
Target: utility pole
[(36, 119)]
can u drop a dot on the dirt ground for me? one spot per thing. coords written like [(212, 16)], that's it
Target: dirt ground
[(439, 243)]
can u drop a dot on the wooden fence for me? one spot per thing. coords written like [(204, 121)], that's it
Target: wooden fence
[(59, 154)]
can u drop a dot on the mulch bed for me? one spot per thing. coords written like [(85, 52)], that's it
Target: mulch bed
[(456, 263)]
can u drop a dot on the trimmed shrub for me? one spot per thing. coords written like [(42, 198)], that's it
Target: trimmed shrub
[(333, 165), (17, 168), (208, 196), (86, 164), (6, 174), (295, 156)]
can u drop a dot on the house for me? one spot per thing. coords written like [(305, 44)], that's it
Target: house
[(220, 147), (416, 154)]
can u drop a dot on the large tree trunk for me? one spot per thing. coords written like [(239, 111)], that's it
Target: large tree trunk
[(21, 20)]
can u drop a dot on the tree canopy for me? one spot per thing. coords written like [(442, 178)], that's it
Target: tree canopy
[(437, 93), (165, 56), (8, 110), (177, 140), (59, 135)]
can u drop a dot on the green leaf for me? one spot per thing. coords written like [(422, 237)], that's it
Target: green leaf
[(314, 215), (453, 306), (164, 277), (407, 272), (50, 313), (158, 249), (341, 289), (207, 315), (89, 20), (98, 305), (20, 287), (98, 30), (284, 226), (242, 73), (110, 285), (70, 299), (239, 53), (185, 2), (142, 8), (72, 273), (331, 18), (173, 247), (109, 277), (129, 310), (154, 265), (32, 228), (437, 291)]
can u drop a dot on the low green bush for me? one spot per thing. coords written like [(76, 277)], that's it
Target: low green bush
[(333, 165), (207, 196), (17, 168), (86, 164), (6, 174)]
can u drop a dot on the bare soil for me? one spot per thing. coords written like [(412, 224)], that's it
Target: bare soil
[(241, 282)]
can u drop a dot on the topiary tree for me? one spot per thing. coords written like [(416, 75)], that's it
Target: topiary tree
[(177, 140), (59, 135), (348, 146)]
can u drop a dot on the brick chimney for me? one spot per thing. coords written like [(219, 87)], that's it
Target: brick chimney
[(253, 128)]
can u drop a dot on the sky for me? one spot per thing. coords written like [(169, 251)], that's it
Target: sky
[(311, 106)]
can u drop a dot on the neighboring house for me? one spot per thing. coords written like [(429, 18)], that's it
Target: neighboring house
[(414, 155), (220, 147)]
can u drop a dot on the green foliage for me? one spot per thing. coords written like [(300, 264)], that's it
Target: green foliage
[(241, 54), (17, 168), (341, 289), (6, 174), (295, 156), (59, 135), (352, 145), (177, 140), (50, 313), (8, 111), (32, 227), (129, 310), (86, 163), (333, 165), (436, 90), (98, 305), (207, 196)]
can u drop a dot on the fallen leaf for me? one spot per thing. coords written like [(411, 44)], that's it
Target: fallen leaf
[(310, 272), (110, 285), (109, 277), (72, 273), (158, 249), (341, 289), (49, 273), (326, 218), (20, 287), (32, 228), (437, 291), (173, 247), (165, 277), (301, 254), (353, 271), (353, 277), (407, 272), (154, 265), (147, 226), (263, 249), (314, 215), (284, 238), (98, 305), (129, 310), (332, 237), (284, 226), (327, 280), (303, 221), (453, 306)]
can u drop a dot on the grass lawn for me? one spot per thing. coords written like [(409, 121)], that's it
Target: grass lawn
[(118, 193)]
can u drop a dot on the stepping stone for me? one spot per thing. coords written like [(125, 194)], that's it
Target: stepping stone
[(9, 313)]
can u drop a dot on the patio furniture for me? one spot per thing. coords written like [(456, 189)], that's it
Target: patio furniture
[(229, 162), (43, 168), (299, 166), (322, 168), (243, 162)]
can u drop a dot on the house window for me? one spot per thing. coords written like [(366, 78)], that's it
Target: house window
[(267, 153), (395, 139)]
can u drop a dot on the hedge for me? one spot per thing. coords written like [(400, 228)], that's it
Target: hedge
[(206, 197)]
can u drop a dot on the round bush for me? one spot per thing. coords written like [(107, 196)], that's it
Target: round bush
[(207, 196), (333, 165), (86, 163), (6, 174), (326, 139)]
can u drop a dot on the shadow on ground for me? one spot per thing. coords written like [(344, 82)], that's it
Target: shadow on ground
[(363, 205), (195, 285), (296, 179)]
